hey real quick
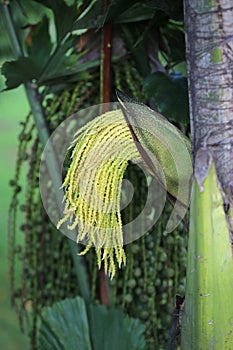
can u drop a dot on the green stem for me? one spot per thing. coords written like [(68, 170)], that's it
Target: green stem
[(12, 34), (51, 161)]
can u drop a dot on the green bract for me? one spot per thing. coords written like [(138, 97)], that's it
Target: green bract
[(207, 321), (161, 143)]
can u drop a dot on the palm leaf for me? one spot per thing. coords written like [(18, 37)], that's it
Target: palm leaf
[(71, 325)]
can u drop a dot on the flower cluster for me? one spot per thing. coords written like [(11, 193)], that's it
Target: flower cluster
[(101, 151)]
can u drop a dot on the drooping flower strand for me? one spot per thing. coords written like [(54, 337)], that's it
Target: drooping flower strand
[(101, 151)]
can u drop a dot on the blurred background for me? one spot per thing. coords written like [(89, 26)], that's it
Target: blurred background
[(13, 108)]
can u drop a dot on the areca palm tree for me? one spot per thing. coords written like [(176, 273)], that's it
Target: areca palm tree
[(208, 313)]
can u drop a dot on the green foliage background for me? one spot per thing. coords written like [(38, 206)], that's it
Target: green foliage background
[(145, 281), (13, 108)]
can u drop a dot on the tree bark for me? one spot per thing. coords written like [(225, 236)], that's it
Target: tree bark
[(209, 43)]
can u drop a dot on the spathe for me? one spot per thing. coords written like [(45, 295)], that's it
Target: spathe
[(160, 142)]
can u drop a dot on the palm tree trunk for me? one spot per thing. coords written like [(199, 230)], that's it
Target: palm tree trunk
[(209, 42), (207, 320)]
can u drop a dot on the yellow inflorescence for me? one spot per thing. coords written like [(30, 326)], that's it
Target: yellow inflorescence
[(93, 183)]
